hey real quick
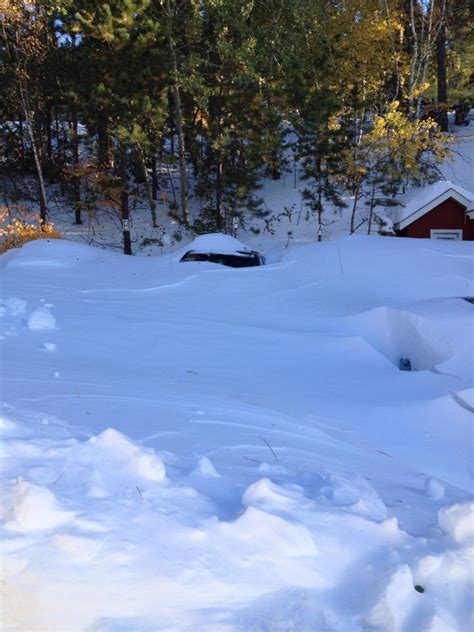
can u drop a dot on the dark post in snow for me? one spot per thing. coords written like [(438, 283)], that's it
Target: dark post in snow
[(320, 232), (127, 242)]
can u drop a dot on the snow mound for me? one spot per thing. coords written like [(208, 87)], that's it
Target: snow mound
[(290, 610), (205, 468), (398, 334), (12, 313), (112, 447), (355, 496), (5, 426), (41, 318), (458, 521), (36, 508), (265, 533), (400, 607), (78, 549), (53, 253), (434, 489), (16, 306), (447, 576)]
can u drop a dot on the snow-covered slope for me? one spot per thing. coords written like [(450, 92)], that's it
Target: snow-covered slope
[(194, 447)]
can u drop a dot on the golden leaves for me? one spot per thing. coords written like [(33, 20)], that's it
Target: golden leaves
[(19, 226)]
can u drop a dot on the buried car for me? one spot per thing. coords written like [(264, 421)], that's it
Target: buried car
[(222, 249)]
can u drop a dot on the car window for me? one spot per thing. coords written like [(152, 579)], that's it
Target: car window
[(233, 261)]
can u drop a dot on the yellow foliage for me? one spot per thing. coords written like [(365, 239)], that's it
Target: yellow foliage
[(421, 89), (397, 142), (334, 124), (19, 226)]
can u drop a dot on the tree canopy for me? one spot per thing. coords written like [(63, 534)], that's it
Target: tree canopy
[(99, 95)]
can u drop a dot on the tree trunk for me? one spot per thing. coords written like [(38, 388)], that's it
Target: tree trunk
[(39, 170), (22, 138), (178, 120), (371, 209), (148, 187), (154, 179), (442, 78), (219, 192), (103, 141), (354, 209), (76, 178), (49, 136), (127, 242)]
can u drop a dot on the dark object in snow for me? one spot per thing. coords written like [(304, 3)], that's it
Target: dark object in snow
[(419, 588), (223, 249), (404, 364), (237, 260), (461, 112), (469, 299)]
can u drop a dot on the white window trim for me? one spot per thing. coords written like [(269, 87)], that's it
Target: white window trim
[(435, 232)]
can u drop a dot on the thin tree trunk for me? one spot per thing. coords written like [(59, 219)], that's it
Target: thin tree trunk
[(127, 242), (442, 77), (154, 179), (148, 187), (219, 187), (76, 179), (49, 135), (371, 209), (22, 137), (39, 170), (354, 209), (178, 119)]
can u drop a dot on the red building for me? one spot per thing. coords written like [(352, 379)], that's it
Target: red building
[(439, 211)]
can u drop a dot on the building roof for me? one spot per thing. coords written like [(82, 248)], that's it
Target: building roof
[(418, 202)]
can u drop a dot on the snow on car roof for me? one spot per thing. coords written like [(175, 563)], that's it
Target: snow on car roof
[(218, 243)]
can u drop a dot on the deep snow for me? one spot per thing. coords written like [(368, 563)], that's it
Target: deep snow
[(193, 447)]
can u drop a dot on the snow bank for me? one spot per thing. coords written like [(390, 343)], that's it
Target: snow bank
[(446, 577), (35, 508), (458, 521), (235, 451), (53, 253), (119, 458), (400, 334), (16, 306)]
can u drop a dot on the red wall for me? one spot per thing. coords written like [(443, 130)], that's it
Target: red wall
[(448, 214)]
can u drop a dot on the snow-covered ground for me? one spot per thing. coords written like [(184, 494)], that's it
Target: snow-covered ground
[(190, 447)]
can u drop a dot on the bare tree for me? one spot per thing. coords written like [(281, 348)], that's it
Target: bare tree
[(426, 21), (24, 31), (178, 111)]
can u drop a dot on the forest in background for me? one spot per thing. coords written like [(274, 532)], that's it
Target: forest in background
[(101, 98)]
